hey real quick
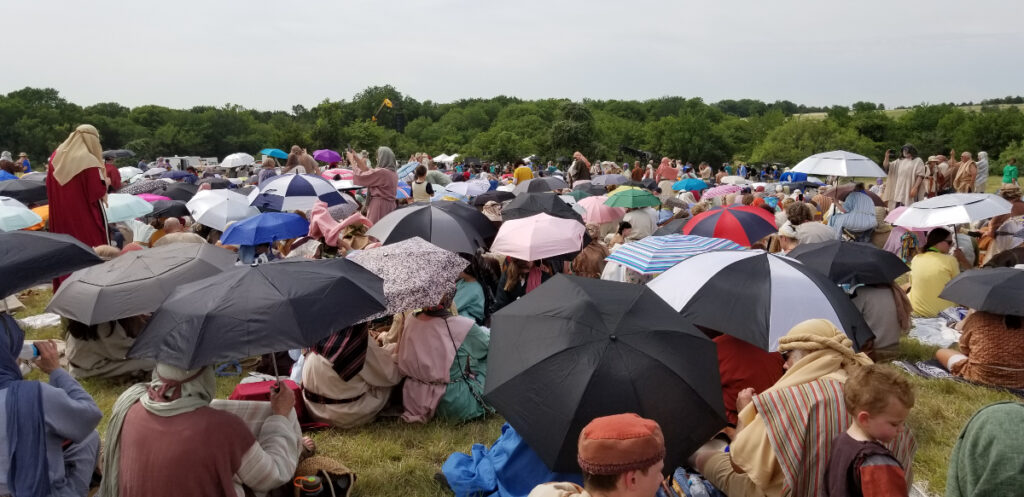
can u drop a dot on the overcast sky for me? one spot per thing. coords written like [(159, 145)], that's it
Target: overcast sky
[(274, 54)]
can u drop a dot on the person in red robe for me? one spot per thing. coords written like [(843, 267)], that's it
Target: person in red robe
[(113, 175), (76, 184), (741, 366)]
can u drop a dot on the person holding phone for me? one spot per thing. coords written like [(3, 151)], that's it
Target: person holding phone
[(381, 183)]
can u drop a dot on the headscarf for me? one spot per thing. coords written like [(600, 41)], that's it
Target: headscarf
[(982, 176), (80, 151), (172, 391), (29, 471), (986, 459), (386, 158), (6, 156), (346, 350)]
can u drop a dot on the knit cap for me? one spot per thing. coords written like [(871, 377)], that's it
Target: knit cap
[(613, 445)]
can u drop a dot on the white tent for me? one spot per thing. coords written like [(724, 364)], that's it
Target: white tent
[(447, 159)]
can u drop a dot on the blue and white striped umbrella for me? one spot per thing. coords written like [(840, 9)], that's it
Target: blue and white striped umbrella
[(656, 254), (290, 192)]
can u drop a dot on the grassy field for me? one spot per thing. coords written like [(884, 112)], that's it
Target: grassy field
[(389, 454)]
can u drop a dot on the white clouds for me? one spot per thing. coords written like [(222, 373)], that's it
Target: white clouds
[(272, 55)]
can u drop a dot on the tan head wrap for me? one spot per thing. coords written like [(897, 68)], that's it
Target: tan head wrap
[(79, 152)]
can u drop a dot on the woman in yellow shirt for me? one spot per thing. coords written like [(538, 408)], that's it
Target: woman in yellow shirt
[(931, 270)]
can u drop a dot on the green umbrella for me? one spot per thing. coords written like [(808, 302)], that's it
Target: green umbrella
[(633, 199)]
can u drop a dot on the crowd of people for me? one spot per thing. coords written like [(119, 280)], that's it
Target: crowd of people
[(815, 417)]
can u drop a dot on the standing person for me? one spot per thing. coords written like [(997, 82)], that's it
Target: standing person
[(621, 455), (38, 419), (580, 168), (522, 172), (422, 191), (381, 183), (906, 177), (665, 176), (1010, 173), (76, 183), (705, 172), (966, 172), (112, 174), (981, 179), (24, 163)]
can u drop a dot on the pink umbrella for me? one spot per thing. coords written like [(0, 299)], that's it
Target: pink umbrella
[(149, 197), (722, 190), (538, 237), (344, 174), (598, 213)]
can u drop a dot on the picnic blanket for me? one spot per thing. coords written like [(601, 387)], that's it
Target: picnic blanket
[(934, 331), (933, 370)]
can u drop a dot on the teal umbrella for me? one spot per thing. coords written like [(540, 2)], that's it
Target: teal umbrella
[(275, 152), (122, 207), (633, 199), (13, 218)]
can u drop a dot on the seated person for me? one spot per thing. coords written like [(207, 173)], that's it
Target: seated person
[(986, 457), (205, 450), (819, 358), (856, 216), (101, 350), (886, 310), (991, 351), (742, 366), (445, 360), (620, 455), (56, 446), (801, 216), (931, 270), (347, 378), (879, 399)]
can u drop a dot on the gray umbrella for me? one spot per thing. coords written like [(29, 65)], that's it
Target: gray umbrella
[(136, 282)]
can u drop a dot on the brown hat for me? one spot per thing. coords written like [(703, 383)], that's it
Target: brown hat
[(23, 154), (934, 158), (1009, 191), (613, 445)]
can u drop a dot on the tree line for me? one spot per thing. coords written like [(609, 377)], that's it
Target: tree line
[(36, 120)]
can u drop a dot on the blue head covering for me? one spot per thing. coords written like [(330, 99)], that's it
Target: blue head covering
[(29, 474)]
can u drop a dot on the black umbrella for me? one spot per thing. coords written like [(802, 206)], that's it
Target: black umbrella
[(673, 227), (495, 195), (537, 185), (452, 226), (178, 191), (253, 310), (118, 154), (26, 192), (578, 348), (169, 208), (851, 262), (591, 188), (216, 183), (999, 290), (31, 257), (528, 204)]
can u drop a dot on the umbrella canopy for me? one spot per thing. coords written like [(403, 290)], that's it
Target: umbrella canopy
[(598, 212), (633, 199), (26, 192), (169, 208), (953, 208), (756, 297), (265, 228), (215, 183), (656, 254), (530, 204), (338, 174), (118, 154), (580, 194), (34, 176), (10, 202), (154, 172), (275, 153), (840, 163), (326, 155), (31, 257), (608, 179), (851, 263), (136, 282), (434, 277), (721, 191), (623, 189), (452, 226), (579, 348), (175, 174), (122, 207), (496, 195), (128, 173), (744, 224), (218, 208), (673, 227), (537, 185), (289, 192), (735, 180), (999, 290), (13, 218), (6, 176), (689, 184), (237, 159), (143, 186), (150, 197), (590, 189), (844, 190), (538, 237), (804, 186), (253, 310), (469, 188), (179, 191)]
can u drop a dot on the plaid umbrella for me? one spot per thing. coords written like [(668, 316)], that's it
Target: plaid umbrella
[(633, 199), (721, 191), (741, 224), (655, 254), (430, 275)]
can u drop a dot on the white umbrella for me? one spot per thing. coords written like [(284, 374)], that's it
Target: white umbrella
[(237, 160), (735, 180), (13, 218), (122, 207), (218, 208), (128, 173), (10, 202), (840, 163), (953, 208), (469, 188)]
